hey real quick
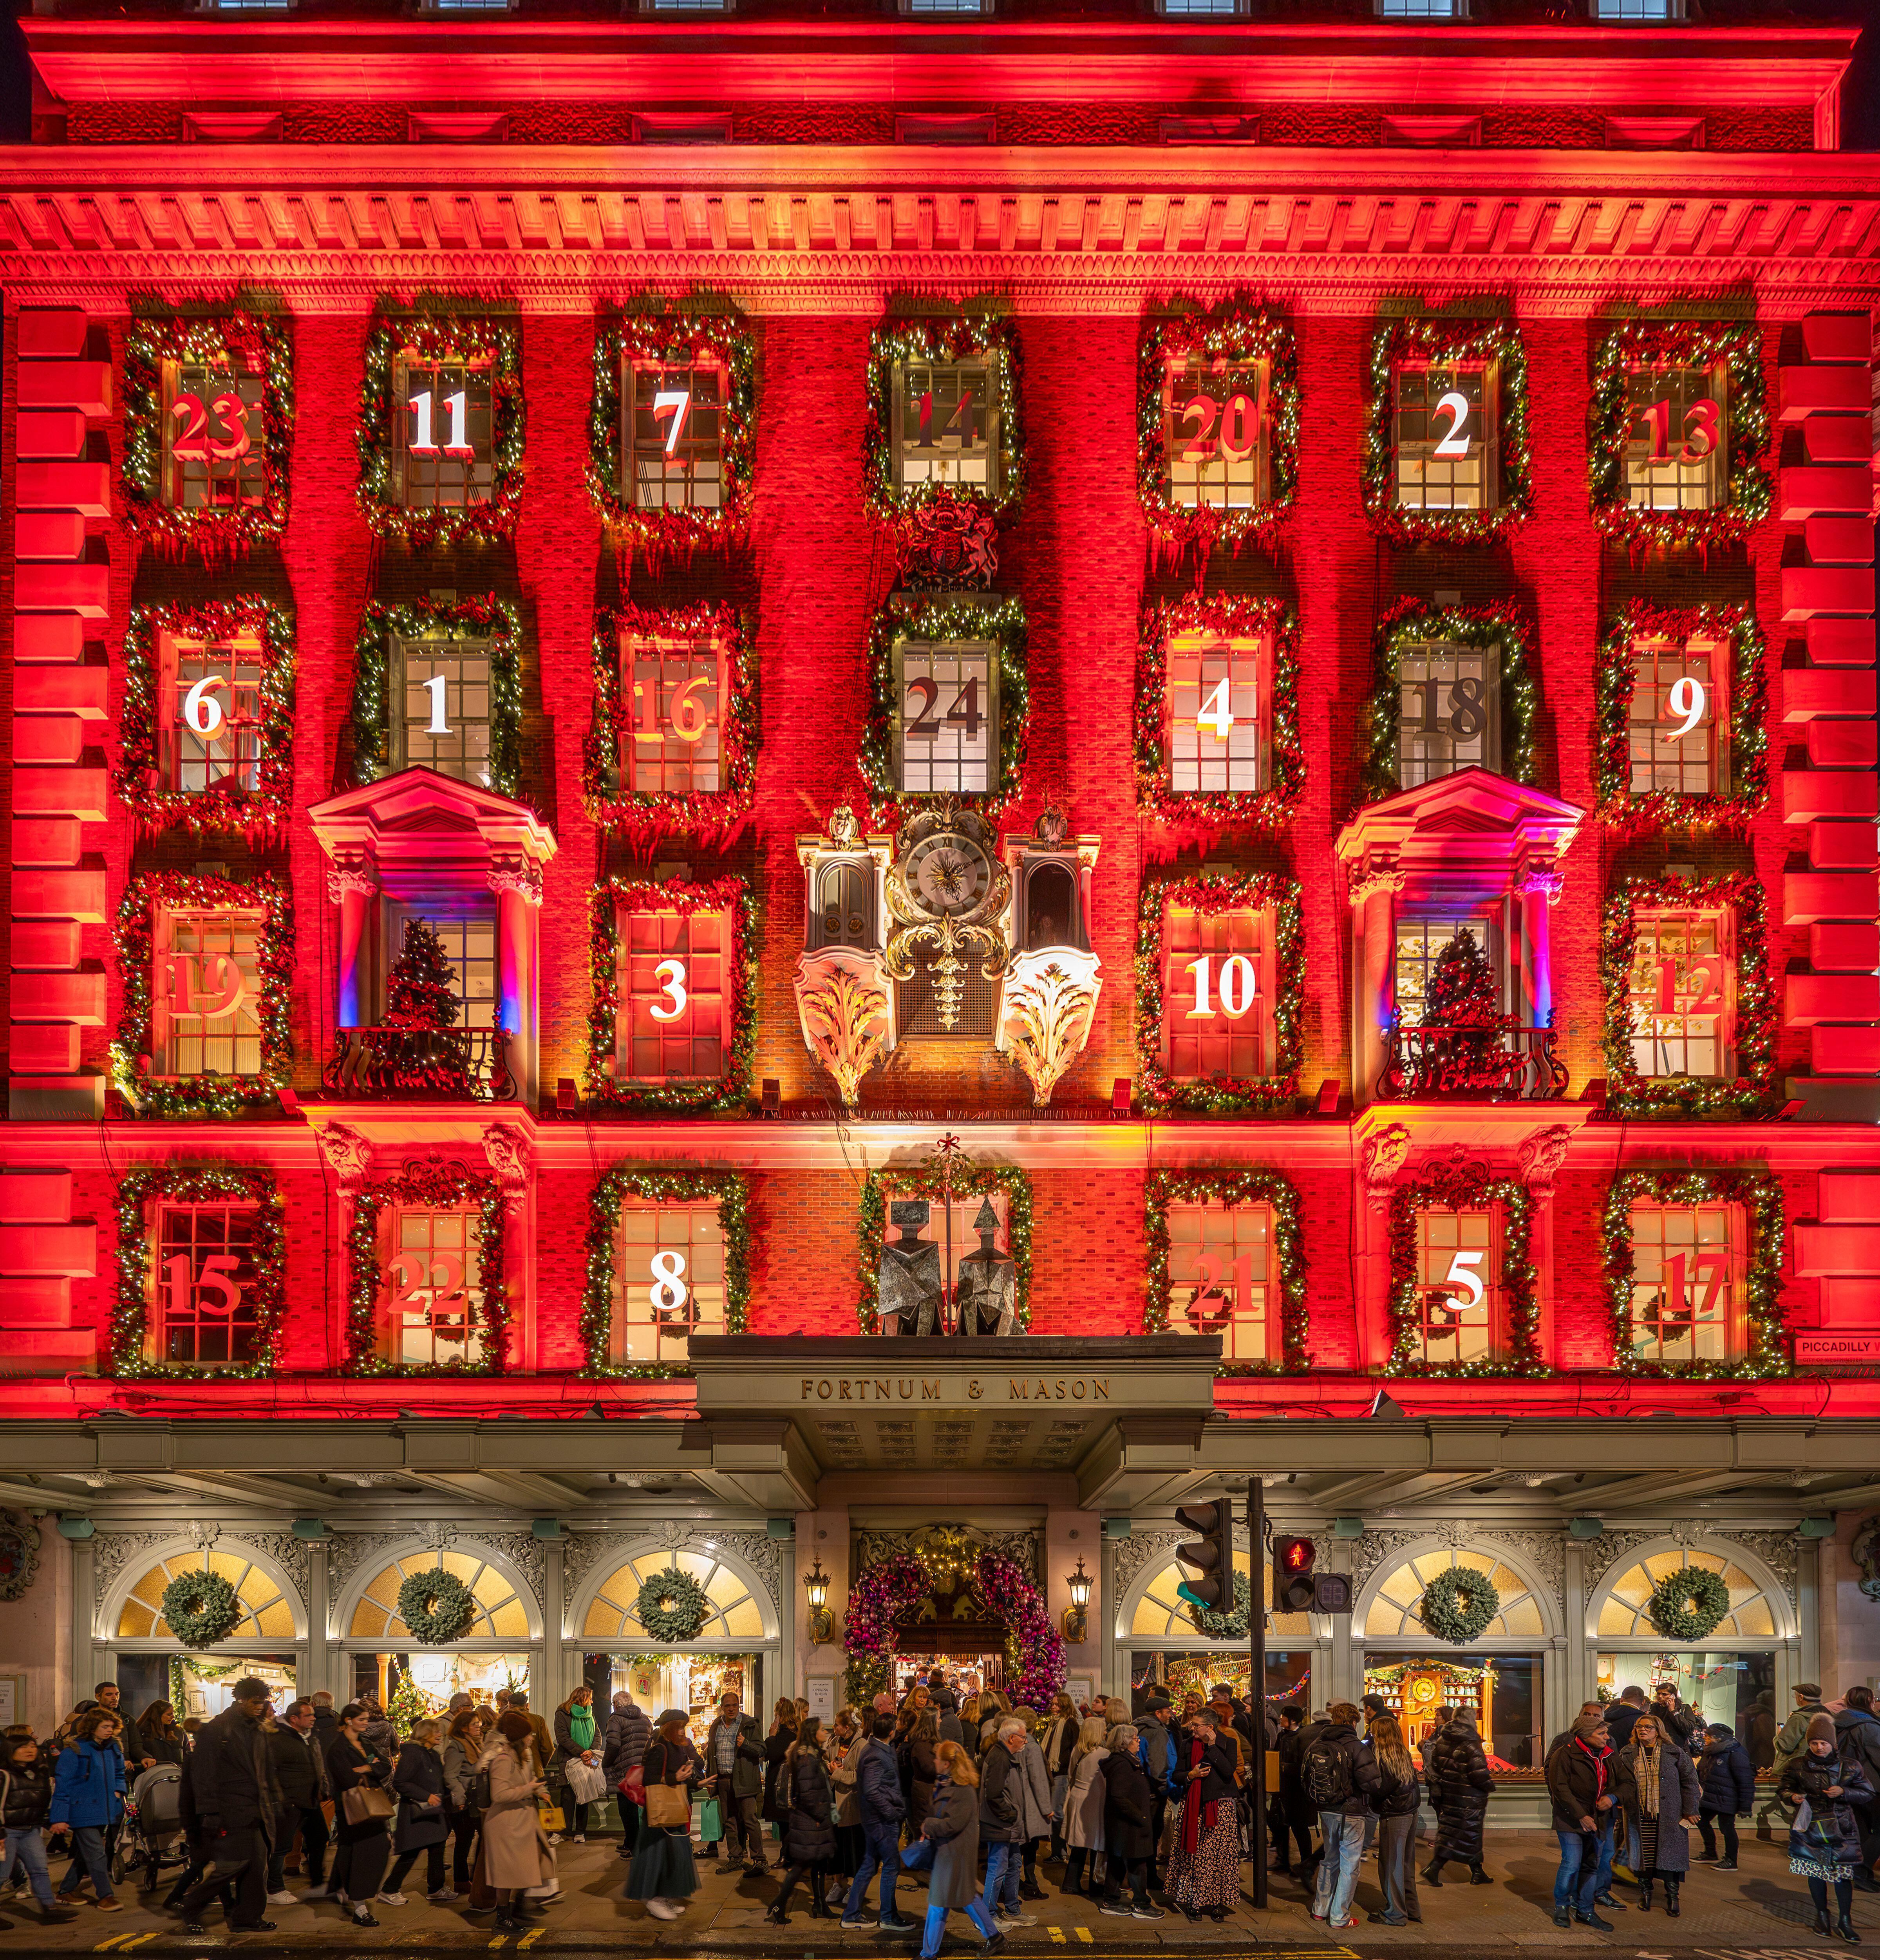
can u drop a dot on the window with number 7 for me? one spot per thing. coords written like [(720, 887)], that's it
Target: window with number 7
[(204, 1306), (1687, 1282)]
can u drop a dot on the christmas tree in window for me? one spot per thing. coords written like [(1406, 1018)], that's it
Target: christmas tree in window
[(1465, 991), (421, 990)]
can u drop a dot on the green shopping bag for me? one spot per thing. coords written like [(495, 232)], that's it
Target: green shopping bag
[(711, 1821)]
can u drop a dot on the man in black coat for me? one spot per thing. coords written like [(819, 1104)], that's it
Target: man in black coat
[(1295, 1812), (1678, 1717), (238, 1798), (883, 1806), (1622, 1714), (300, 1768), (1002, 1820)]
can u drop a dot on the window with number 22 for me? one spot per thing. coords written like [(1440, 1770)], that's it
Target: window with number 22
[(674, 974), (431, 1297), (668, 1280), (203, 1311), (1687, 1282)]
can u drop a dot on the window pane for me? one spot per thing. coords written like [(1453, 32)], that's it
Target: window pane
[(1458, 1279), (965, 1237), (444, 431), (215, 437), (470, 944), (1420, 945), (947, 736), (213, 741), (1672, 731), (445, 716), (1449, 710), (1215, 711), (668, 1281), (675, 435), (1217, 986), (674, 974), (1681, 984), (210, 1013), (205, 1295)]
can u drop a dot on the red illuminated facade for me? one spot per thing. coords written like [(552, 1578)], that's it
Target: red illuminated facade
[(605, 648)]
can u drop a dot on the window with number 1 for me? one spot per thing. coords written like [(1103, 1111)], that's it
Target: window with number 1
[(442, 718), (203, 1309), (668, 1281), (671, 696), (431, 1294), (1682, 994), (674, 977), (209, 732), (1217, 994), (443, 446), (1672, 731), (1676, 439), (1216, 714), (1687, 1282), (214, 436), (1458, 1283), (1220, 1266), (1443, 421)]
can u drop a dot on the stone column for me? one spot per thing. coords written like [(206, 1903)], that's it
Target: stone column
[(1808, 1615), (560, 1676), (1069, 1536), (85, 1614), (1538, 889), (319, 1629), (1576, 1667), (821, 1535), (517, 885), (1374, 887), (351, 885)]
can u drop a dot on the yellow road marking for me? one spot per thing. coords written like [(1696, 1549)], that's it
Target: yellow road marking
[(1057, 1935), (105, 1945), (1083, 1933), (138, 1940), (501, 1940), (529, 1938)]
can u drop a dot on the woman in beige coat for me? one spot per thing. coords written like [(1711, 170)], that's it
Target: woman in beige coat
[(515, 1855), (1083, 1809)]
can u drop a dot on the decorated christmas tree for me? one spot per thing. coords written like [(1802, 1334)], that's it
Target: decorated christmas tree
[(1464, 990), (421, 991), (409, 1704)]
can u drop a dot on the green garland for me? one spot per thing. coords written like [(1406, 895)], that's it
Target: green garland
[(1737, 346), (684, 332), (972, 333), (1688, 1606), (1748, 734), (484, 616), (1753, 1091), (1280, 1195), (960, 615), (1237, 329), (201, 1609), (439, 335), (139, 1191), (251, 343), (1440, 342), (672, 1606), (968, 1179), (1759, 1196), (644, 814), (436, 1607), (444, 1186), (134, 942), (1409, 621), (1466, 1188), (1222, 616), (1221, 1095), (730, 1188), (1459, 1604), (622, 892), (137, 780)]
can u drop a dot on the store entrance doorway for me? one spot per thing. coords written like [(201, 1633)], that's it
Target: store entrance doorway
[(966, 1674)]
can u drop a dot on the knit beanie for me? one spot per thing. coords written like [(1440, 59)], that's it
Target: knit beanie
[(1821, 1729), (1588, 1725)]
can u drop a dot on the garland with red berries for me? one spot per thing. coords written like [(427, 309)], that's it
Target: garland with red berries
[(1759, 1196), (224, 807), (483, 616), (625, 894), (1630, 812), (1221, 1095), (1735, 345), (694, 332), (1237, 331), (1752, 1091), (246, 344), (965, 1177), (440, 336), (441, 1185), (1227, 1188), (1218, 615), (606, 771), (138, 1192), (135, 940), (1441, 343), (1465, 1187)]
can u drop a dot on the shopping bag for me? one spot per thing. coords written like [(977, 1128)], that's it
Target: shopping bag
[(551, 1817), (667, 1806), (711, 1821), (585, 1784)]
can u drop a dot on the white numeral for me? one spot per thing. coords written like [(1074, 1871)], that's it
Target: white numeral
[(421, 443), (459, 444), (1457, 407), (1217, 712), (1240, 987), (669, 1285), (671, 975), (439, 725), (1462, 1274), (201, 710), (677, 403), (1688, 699)]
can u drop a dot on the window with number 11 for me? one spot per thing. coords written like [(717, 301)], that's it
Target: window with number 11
[(443, 448)]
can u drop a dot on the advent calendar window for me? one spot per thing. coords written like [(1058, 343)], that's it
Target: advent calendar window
[(673, 976), (1216, 713), (203, 1309), (442, 687), (1444, 422), (206, 1005), (946, 424), (214, 436), (443, 445), (1220, 1273), (1458, 1283), (1681, 993), (1217, 993), (1419, 943), (946, 728), (1449, 710), (673, 435), (1675, 442), (673, 692), (1678, 710), (668, 1281), (1687, 1282), (431, 1299), (210, 729), (1215, 430), (469, 940)]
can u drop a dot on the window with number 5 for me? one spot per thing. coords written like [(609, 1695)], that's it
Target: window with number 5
[(1458, 1284), (1677, 437), (671, 692), (1217, 994), (673, 985), (204, 1306), (431, 1301), (1444, 423), (1682, 994), (668, 1281), (1687, 1282), (214, 436)]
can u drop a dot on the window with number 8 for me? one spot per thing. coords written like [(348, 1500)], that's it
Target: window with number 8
[(946, 424), (1449, 710), (673, 976), (946, 731), (214, 436), (1682, 994), (1217, 994), (1458, 1284), (1676, 443), (1444, 432), (668, 1281), (673, 435), (431, 1298), (443, 456), (209, 735), (1671, 735), (203, 1309), (1220, 1263), (670, 692), (1214, 432), (1687, 1286), (1217, 692)]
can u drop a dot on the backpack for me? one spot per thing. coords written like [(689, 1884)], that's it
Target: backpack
[(1326, 1773)]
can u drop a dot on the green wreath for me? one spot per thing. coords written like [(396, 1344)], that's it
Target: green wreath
[(672, 1606), (1232, 1625), (1458, 1605), (1686, 1605), (201, 1609), (437, 1607)]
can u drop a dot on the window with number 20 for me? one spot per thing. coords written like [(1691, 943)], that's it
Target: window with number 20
[(674, 979), (1214, 432)]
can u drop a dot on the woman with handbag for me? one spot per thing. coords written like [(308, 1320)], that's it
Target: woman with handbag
[(1823, 1787), (365, 1808), (470, 1729), (423, 1822), (577, 1740), (662, 1872), (809, 1838), (515, 1858)]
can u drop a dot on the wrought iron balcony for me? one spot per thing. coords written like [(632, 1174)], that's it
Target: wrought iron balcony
[(1471, 1065), (434, 1065)]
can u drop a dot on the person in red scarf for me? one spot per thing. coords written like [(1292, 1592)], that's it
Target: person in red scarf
[(1204, 1874), (1579, 1781)]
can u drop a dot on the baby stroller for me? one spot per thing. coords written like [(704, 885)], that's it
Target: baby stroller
[(152, 1835)]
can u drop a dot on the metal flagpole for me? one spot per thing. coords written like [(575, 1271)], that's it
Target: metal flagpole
[(1256, 1686)]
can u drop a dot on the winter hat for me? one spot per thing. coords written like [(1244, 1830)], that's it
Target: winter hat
[(1588, 1725), (666, 1715), (1720, 1730), (1821, 1729)]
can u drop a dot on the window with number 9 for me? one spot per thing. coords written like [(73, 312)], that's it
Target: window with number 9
[(214, 436), (670, 695), (1458, 1283), (673, 434), (1687, 1282), (946, 424), (209, 734), (1216, 714), (1677, 710), (203, 1310), (1214, 431), (430, 1295), (668, 1280), (1676, 442), (1682, 994), (946, 728), (1445, 432), (1217, 994), (1220, 1263), (674, 979)]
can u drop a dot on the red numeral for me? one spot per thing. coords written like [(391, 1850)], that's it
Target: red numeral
[(191, 445), (921, 728)]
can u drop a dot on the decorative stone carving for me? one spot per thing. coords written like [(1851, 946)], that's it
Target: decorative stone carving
[(846, 1009), (985, 1298), (1865, 1553), (912, 1287), (1047, 1010), (359, 876), (516, 875), (1130, 1555), (203, 1531), (348, 1155), (19, 1554), (1543, 879), (508, 1156), (1375, 876), (437, 1536), (946, 892), (1541, 1156), (1384, 1151), (1544, 1552), (114, 1552)]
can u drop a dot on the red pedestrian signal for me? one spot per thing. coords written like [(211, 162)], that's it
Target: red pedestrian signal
[(1293, 1588)]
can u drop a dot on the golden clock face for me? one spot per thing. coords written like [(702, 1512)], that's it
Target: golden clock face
[(948, 873), (1423, 1690)]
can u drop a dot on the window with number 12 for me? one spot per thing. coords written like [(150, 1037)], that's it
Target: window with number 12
[(1682, 994)]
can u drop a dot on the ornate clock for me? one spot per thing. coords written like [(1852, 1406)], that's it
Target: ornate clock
[(947, 891)]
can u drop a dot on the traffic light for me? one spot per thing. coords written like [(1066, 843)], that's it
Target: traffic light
[(1209, 1562), (1294, 1589)]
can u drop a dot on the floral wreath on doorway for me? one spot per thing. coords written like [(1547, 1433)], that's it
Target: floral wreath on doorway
[(201, 1607), (1458, 1605), (1688, 1606), (672, 1606), (436, 1606)]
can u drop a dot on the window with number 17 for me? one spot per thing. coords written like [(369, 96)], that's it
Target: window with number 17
[(1687, 1283)]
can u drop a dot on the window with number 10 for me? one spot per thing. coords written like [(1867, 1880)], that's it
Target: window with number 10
[(1687, 1286), (1675, 438), (1682, 994), (1672, 729), (1214, 431), (202, 1310), (1458, 1283), (673, 435), (1444, 431), (1219, 1272), (443, 451), (670, 692), (668, 1281), (1215, 710), (673, 978), (1217, 989), (430, 1291), (209, 735)]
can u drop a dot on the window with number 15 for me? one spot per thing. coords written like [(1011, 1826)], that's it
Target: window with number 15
[(1687, 1282), (673, 975), (668, 1281), (203, 1311), (1216, 714), (1458, 1283), (1217, 994)]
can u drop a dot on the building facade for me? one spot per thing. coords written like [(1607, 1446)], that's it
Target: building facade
[(741, 742)]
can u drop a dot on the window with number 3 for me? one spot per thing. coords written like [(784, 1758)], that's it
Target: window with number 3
[(432, 1301), (214, 436), (671, 696), (203, 1305), (1682, 994), (1220, 1266), (668, 1281), (1458, 1283), (673, 980), (1217, 994), (1687, 1282), (209, 731), (1444, 420), (1676, 441)]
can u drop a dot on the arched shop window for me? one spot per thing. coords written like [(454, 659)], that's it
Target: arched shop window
[(388, 1663), (1168, 1652), (152, 1664), (734, 1613), (266, 1613)]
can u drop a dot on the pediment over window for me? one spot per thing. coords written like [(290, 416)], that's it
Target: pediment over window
[(424, 832), (1471, 823)]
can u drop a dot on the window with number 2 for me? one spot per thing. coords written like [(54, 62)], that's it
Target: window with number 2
[(674, 980), (1445, 422), (668, 1280), (1217, 993), (204, 1310), (1220, 1269), (431, 1296), (1687, 1282)]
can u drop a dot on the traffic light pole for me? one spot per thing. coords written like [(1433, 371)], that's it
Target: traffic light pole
[(1258, 1568)]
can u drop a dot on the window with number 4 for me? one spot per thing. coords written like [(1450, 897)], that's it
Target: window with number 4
[(1678, 709), (1217, 994), (1687, 1282), (1458, 1284), (672, 435), (1444, 420), (205, 998), (668, 1280), (946, 424), (429, 1290), (1220, 1267), (1449, 710), (1682, 994), (214, 436), (671, 692), (1216, 714), (443, 449), (210, 730), (673, 980), (203, 1309), (946, 728), (1676, 444), (1214, 432)]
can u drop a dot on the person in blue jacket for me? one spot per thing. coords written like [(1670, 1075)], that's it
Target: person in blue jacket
[(1727, 1784), (88, 1794)]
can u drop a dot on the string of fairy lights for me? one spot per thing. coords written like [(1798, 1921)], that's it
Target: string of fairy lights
[(965, 1178)]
